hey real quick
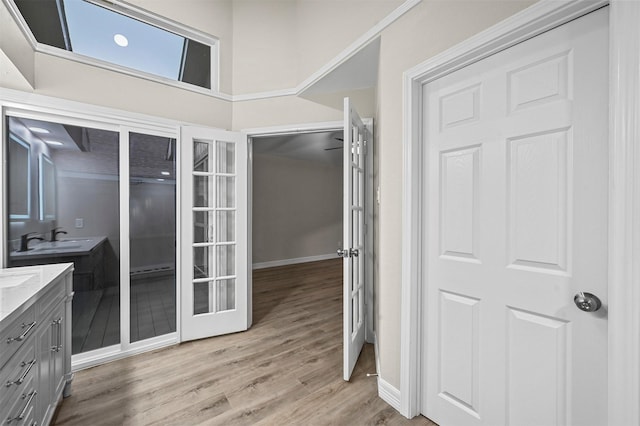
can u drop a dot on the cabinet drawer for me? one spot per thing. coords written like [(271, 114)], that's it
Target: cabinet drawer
[(14, 336), (51, 298), (20, 410), (17, 372)]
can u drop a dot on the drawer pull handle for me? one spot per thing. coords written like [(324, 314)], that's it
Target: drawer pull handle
[(24, 373), (24, 410), (23, 335)]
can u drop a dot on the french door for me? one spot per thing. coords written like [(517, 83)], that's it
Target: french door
[(215, 279), (354, 162)]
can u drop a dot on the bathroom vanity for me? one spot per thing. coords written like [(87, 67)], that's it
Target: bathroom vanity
[(35, 339), (86, 253)]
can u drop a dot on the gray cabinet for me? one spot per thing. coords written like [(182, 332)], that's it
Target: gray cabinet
[(35, 365)]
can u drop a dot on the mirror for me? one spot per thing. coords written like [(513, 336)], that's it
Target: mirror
[(20, 178), (47, 189)]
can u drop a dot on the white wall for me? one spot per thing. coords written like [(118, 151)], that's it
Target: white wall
[(428, 29), (297, 208), (317, 31)]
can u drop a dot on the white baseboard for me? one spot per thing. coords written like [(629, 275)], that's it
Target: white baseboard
[(388, 393), (284, 262)]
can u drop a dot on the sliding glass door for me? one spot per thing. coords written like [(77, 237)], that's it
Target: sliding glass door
[(152, 235), (103, 197)]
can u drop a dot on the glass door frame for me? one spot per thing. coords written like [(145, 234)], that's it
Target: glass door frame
[(73, 113)]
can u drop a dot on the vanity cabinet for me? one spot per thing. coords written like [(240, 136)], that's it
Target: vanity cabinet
[(35, 361)]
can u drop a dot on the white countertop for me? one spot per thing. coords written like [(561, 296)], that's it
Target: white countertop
[(19, 286)]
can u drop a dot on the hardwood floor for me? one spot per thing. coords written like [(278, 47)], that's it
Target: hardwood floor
[(286, 370)]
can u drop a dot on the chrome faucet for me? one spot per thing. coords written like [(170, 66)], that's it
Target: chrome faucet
[(55, 232), (24, 241)]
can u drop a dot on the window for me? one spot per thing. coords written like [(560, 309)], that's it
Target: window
[(142, 43)]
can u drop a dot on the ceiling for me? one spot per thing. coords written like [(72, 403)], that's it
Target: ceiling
[(320, 147)]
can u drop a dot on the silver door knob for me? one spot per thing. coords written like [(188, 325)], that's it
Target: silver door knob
[(587, 302), (343, 252)]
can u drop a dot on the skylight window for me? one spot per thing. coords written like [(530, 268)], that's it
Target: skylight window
[(88, 29)]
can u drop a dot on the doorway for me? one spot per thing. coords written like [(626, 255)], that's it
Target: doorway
[(296, 198), (357, 213)]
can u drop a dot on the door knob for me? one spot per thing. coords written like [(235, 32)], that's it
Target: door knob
[(587, 302)]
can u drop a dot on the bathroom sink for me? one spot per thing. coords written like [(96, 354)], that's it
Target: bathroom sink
[(7, 280), (65, 241), (55, 246)]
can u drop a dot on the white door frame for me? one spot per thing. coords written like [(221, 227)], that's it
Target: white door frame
[(369, 194), (624, 190)]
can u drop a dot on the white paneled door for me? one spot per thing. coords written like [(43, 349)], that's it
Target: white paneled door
[(355, 148), (517, 178), (214, 287)]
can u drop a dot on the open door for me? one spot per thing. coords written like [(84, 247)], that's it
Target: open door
[(355, 144), (215, 280)]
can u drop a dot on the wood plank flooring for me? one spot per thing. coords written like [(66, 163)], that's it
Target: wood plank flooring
[(286, 370)]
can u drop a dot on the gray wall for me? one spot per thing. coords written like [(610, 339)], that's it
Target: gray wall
[(297, 208)]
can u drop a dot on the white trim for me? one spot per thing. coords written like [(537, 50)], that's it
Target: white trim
[(293, 128), (357, 45), (264, 95), (294, 261), (340, 59), (154, 19), (624, 213), (624, 231), (389, 393), (113, 353), (33, 104)]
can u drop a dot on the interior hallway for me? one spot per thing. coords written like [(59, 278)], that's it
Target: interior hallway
[(286, 370)]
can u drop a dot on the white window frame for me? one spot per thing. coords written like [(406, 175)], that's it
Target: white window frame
[(624, 190), (139, 14)]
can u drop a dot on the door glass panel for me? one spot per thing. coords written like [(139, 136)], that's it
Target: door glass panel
[(201, 187), (225, 260), (225, 162), (225, 186), (74, 217), (203, 297), (203, 231), (201, 156), (202, 262), (225, 226), (152, 235), (226, 299), (214, 254)]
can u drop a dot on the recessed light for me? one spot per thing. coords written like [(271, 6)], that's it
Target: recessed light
[(39, 130), (55, 143), (160, 180), (165, 173), (121, 40)]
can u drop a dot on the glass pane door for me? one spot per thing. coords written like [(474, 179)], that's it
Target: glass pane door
[(152, 235), (215, 283), (214, 216)]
